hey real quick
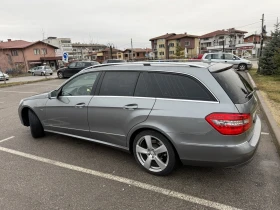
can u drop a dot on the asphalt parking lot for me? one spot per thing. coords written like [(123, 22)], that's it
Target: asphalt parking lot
[(59, 172)]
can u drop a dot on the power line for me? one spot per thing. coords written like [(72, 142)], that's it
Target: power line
[(248, 24)]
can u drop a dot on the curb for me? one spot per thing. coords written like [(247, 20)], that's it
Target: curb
[(272, 124)]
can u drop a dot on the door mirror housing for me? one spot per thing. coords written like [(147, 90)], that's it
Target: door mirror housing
[(53, 94)]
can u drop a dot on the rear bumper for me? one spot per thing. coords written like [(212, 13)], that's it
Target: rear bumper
[(223, 156)]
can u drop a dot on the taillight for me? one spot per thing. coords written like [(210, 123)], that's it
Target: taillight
[(229, 123)]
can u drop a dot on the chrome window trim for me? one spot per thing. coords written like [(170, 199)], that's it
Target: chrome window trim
[(89, 139)]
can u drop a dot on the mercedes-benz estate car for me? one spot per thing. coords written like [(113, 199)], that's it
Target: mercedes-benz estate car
[(163, 113)]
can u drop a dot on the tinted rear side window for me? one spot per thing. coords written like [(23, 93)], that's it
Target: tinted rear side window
[(181, 87), (119, 83), (145, 86), (234, 85)]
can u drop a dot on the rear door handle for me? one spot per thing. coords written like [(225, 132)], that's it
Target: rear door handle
[(80, 105), (130, 106)]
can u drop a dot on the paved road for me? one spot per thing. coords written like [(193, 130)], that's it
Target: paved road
[(28, 78), (43, 174)]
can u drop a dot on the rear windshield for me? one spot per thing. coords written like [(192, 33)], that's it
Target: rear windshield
[(234, 85)]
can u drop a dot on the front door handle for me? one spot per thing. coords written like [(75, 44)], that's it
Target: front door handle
[(225, 61), (80, 105), (130, 106)]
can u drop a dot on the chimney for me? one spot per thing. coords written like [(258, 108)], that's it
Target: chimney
[(9, 40)]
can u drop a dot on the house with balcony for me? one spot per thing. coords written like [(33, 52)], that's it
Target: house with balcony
[(23, 55), (188, 44), (106, 53), (139, 54), (166, 46), (221, 40), (159, 44)]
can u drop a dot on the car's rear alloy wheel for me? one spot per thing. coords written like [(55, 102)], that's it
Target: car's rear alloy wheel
[(154, 153), (42, 74), (36, 127), (60, 75), (242, 67)]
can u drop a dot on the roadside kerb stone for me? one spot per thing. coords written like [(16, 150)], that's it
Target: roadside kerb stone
[(274, 128)]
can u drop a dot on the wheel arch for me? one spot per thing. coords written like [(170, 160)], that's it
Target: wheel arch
[(24, 115), (138, 130)]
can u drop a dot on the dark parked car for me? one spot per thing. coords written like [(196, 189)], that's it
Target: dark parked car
[(114, 61), (74, 68), (163, 113)]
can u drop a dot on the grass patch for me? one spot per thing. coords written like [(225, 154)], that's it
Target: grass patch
[(269, 84), (20, 75), (3, 85)]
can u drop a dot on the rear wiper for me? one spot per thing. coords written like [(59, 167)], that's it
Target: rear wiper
[(249, 94)]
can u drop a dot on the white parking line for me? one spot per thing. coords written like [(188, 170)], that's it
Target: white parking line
[(123, 180), (263, 133), (6, 139), (11, 91)]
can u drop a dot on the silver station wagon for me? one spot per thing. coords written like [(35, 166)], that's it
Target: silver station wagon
[(164, 113)]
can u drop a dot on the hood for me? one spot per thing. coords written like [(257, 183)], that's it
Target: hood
[(39, 96)]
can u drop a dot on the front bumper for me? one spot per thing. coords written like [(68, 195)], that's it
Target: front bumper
[(249, 66), (224, 156)]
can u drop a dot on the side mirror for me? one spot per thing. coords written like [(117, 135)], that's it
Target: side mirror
[(53, 94)]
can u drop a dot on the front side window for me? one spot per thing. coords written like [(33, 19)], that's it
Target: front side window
[(72, 65), (119, 83), (176, 86), (80, 65), (81, 85)]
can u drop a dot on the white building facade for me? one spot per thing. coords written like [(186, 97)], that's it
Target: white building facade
[(64, 45)]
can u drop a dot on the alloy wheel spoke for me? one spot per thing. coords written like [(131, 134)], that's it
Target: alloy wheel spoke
[(141, 150), (148, 140), (160, 149), (160, 163), (147, 163)]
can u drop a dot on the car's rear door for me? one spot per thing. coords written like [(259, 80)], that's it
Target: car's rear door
[(69, 112), (115, 110)]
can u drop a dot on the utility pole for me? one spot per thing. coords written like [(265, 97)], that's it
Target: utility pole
[(131, 50), (258, 71), (111, 52), (255, 42)]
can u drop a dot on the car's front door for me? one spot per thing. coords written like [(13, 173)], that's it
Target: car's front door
[(68, 113), (116, 110)]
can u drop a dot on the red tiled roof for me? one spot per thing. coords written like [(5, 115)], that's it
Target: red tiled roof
[(222, 32), (19, 44), (139, 49), (179, 36), (162, 36)]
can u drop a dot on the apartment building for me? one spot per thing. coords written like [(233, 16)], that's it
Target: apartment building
[(63, 45), (167, 46), (221, 40)]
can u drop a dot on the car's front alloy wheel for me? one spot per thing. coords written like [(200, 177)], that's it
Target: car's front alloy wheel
[(242, 67), (154, 153), (60, 75)]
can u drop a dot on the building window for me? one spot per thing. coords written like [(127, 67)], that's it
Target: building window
[(187, 43), (171, 52), (36, 51), (14, 53), (171, 45), (221, 37), (161, 46), (206, 39), (44, 51), (138, 54), (161, 53)]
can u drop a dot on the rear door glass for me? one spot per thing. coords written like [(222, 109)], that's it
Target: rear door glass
[(181, 87), (234, 85)]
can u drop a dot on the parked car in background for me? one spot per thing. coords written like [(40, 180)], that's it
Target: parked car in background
[(228, 58), (114, 61), (4, 76), (163, 113), (74, 67), (31, 70), (42, 70)]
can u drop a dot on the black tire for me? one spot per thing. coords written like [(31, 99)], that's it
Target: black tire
[(242, 67), (36, 127), (60, 75), (170, 153)]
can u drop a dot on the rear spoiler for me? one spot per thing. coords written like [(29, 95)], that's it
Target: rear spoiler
[(219, 67)]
